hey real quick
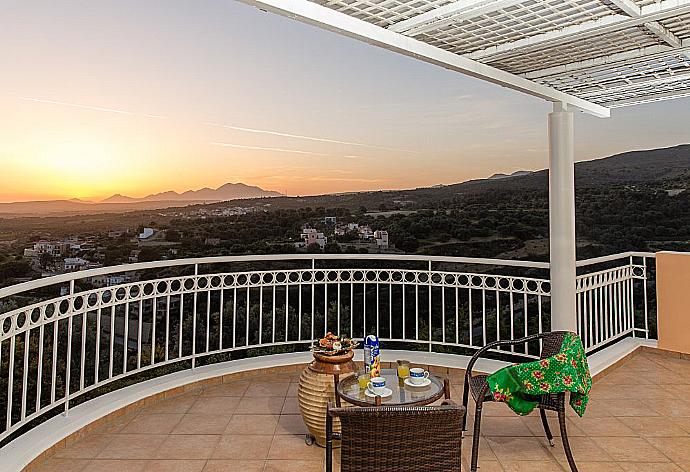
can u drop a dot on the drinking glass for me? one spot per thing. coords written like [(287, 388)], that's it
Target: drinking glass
[(403, 369), (363, 379)]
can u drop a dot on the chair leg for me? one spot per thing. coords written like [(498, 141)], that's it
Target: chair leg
[(465, 394), (566, 443), (547, 430), (475, 438), (329, 441)]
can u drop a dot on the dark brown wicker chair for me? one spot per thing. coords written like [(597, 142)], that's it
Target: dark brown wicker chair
[(479, 388), (397, 439)]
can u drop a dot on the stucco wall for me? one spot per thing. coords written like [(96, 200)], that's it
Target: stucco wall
[(673, 300)]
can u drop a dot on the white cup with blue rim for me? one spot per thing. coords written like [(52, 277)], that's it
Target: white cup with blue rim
[(377, 385), (418, 375)]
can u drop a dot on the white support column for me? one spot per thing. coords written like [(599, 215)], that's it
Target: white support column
[(562, 218)]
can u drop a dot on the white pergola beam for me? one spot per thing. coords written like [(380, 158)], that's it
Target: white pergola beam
[(616, 60), (663, 33), (649, 98), (628, 7), (326, 18), (633, 10), (601, 26), (634, 85), (453, 12)]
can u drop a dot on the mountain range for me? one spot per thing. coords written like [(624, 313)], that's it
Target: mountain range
[(224, 192), (120, 203), (628, 168)]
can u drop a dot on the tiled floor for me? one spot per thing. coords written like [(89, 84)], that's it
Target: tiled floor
[(638, 420)]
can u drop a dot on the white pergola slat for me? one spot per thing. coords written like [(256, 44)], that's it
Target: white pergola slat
[(579, 52)]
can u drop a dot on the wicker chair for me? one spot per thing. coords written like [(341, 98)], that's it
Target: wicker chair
[(479, 388), (397, 439)]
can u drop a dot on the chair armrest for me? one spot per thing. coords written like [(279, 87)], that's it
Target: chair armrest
[(492, 345)]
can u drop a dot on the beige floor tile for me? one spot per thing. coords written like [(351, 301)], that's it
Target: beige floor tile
[(623, 449), (234, 446), (516, 449), (655, 426), (586, 466), (584, 448), (494, 409), (178, 404), (222, 465), (187, 446), (267, 389), (235, 388), (132, 446), (676, 449), (115, 465), (293, 466), (650, 467), (202, 424), (602, 426), (289, 446), (116, 425), (252, 424), (155, 423), (505, 426), (215, 406), (175, 466), (292, 390), (291, 406), (631, 407), (291, 424), (683, 423), (672, 407), (62, 465), (86, 448), (260, 406), (532, 466), (485, 452)]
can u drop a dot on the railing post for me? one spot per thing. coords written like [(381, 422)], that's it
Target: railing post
[(644, 287), (632, 295), (196, 291), (429, 282), (562, 219), (68, 366)]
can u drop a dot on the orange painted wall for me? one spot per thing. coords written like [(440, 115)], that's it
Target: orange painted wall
[(673, 300)]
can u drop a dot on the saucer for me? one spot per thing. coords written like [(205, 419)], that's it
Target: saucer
[(387, 392), (426, 382)]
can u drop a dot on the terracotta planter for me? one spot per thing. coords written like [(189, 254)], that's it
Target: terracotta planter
[(317, 388)]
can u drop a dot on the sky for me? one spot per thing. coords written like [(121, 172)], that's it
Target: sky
[(138, 97)]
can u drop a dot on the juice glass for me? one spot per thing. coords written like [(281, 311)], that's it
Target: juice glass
[(363, 379), (403, 369)]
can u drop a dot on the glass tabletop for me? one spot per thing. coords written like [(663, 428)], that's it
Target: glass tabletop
[(401, 393)]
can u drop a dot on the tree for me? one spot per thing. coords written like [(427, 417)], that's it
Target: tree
[(172, 235)]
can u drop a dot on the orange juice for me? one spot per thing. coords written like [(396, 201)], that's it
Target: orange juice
[(363, 378)]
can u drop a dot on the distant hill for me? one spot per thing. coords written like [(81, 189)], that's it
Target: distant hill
[(517, 173), (224, 192), (121, 203)]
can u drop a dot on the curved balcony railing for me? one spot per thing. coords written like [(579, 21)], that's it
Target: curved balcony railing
[(71, 337)]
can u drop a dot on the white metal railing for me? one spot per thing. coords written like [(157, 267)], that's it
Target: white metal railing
[(613, 298), (61, 338)]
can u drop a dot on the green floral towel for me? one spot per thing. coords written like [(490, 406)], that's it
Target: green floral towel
[(567, 371)]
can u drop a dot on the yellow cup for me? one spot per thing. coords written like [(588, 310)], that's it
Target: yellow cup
[(403, 369), (363, 378)]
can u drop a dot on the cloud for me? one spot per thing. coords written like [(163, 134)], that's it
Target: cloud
[(308, 138), (259, 148), (77, 105)]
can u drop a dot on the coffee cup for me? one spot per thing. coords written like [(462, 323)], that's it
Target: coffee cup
[(418, 375), (377, 385)]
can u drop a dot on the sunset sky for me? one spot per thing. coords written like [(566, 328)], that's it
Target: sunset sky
[(137, 97)]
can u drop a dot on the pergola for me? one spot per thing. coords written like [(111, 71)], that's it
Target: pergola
[(589, 55)]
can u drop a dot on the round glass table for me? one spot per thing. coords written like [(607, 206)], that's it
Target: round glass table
[(402, 393)]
